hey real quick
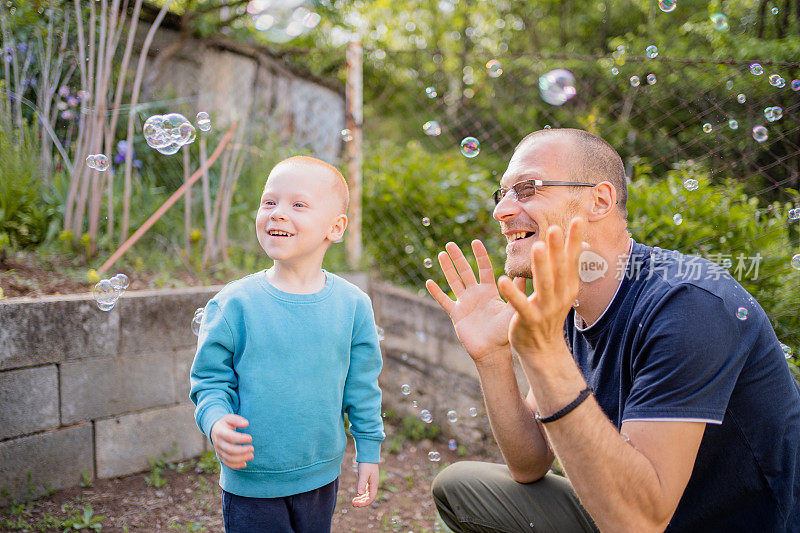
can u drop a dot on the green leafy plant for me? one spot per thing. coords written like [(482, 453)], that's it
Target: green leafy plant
[(84, 519), (208, 463), (86, 480)]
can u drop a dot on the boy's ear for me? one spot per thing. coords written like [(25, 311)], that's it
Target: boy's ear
[(337, 228)]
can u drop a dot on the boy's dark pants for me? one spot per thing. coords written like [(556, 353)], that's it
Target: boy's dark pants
[(482, 497), (307, 512)]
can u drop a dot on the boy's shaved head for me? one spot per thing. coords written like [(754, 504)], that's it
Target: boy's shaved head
[(337, 181)]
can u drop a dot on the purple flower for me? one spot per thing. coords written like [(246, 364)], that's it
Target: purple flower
[(122, 150), (71, 100), (63, 91), (67, 115), (23, 47)]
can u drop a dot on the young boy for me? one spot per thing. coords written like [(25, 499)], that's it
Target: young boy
[(282, 355)]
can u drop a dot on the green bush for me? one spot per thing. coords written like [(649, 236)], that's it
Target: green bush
[(723, 223), (23, 218)]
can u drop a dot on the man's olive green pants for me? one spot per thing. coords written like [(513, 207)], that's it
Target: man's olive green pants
[(482, 497)]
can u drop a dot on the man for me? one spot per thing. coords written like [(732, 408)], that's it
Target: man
[(662, 390)]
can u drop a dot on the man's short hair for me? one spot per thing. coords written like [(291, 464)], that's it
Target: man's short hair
[(594, 161), (339, 184)]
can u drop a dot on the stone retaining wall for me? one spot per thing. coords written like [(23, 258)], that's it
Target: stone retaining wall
[(83, 390)]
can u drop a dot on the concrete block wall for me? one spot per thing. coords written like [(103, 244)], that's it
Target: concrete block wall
[(83, 390)]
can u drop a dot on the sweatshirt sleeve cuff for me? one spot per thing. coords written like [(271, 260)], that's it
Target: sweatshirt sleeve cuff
[(367, 450), (210, 416)]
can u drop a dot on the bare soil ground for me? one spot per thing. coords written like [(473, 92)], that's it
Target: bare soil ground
[(190, 499)]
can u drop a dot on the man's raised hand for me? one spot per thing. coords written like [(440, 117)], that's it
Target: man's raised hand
[(480, 317)]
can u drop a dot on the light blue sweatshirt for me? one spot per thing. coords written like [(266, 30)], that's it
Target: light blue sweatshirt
[(292, 365)]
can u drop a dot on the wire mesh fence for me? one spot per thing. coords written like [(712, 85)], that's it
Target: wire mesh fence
[(731, 125)]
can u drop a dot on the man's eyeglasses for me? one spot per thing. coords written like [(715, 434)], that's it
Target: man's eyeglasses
[(525, 190)]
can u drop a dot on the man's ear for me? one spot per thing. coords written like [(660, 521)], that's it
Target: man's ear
[(604, 199), (337, 228)]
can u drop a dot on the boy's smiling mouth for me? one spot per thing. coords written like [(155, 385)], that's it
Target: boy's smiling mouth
[(279, 233)]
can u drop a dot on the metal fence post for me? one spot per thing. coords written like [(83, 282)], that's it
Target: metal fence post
[(353, 151)]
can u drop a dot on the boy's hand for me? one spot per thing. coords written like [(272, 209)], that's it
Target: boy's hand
[(367, 489), (228, 443)]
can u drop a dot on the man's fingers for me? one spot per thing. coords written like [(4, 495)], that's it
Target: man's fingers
[(463, 267), (485, 270), (540, 264), (558, 260), (449, 270), (236, 421), (440, 297), (520, 283), (511, 293)]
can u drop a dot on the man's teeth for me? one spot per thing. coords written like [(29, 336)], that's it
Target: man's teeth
[(516, 236)]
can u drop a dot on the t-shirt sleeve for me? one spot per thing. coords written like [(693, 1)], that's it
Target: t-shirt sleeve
[(214, 385), (685, 363), (362, 395)]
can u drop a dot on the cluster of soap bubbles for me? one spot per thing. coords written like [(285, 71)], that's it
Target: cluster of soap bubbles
[(167, 133), (98, 162), (557, 86), (203, 121), (281, 21), (773, 113), (794, 214), (431, 92), (107, 291), (197, 319), (777, 81)]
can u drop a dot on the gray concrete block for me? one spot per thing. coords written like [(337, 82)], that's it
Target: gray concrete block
[(158, 320), (54, 459), (55, 328), (108, 386), (124, 444), (183, 365), (28, 400)]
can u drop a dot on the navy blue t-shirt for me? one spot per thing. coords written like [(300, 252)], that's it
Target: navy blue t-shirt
[(671, 346)]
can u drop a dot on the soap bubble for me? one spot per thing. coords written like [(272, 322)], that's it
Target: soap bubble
[(719, 22), (787, 351), (667, 6), (795, 85), (634, 81), (756, 69), (427, 262), (432, 128), (781, 83), (774, 80), (774, 10), (425, 416), (452, 416), (405, 389), (741, 98), (691, 184), (473, 411), (796, 262), (741, 313), (651, 79), (494, 68), (729, 85), (726, 263), (105, 295), (426, 221), (733, 124), (775, 113), (470, 147), (347, 135), (434, 456), (203, 121), (431, 92), (197, 319), (557, 86), (380, 332), (651, 51), (452, 445), (677, 219), (614, 71), (794, 214), (707, 127), (120, 282), (760, 134)]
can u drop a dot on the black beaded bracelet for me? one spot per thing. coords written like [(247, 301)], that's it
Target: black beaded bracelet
[(566, 410)]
